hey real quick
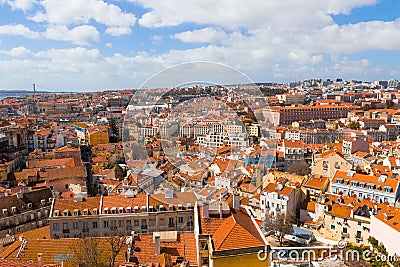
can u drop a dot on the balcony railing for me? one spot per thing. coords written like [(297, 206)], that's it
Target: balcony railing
[(65, 231)]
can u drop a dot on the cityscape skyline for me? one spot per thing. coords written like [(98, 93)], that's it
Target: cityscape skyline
[(98, 45)]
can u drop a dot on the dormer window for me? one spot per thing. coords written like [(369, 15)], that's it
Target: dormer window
[(180, 207), (5, 212), (136, 209), (114, 210), (339, 180), (76, 212), (95, 211), (14, 209), (43, 202), (121, 210), (387, 189), (66, 212), (56, 213), (129, 209), (85, 212), (29, 205), (106, 210)]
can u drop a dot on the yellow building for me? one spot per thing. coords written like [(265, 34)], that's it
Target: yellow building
[(229, 237), (97, 136), (91, 135)]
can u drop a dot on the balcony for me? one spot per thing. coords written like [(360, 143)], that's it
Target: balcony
[(85, 230), (65, 231), (170, 225), (144, 227), (345, 235)]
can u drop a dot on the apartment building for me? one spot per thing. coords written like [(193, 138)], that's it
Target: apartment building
[(287, 115), (107, 215), (23, 211), (228, 236), (277, 198), (378, 188), (385, 227)]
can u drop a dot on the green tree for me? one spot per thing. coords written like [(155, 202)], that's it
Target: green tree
[(86, 253), (281, 224), (354, 125), (389, 104), (112, 124), (300, 168)]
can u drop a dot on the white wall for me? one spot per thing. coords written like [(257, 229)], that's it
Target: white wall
[(386, 234)]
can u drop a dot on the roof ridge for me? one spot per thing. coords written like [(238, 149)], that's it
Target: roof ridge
[(221, 229)]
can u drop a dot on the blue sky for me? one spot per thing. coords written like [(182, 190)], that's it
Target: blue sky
[(84, 45)]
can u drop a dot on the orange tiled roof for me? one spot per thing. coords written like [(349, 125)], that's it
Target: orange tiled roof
[(272, 187), (316, 183), (393, 218), (393, 183), (236, 231)]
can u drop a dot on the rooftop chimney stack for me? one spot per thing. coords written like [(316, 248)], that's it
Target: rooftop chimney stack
[(157, 243), (236, 201), (205, 211), (39, 259)]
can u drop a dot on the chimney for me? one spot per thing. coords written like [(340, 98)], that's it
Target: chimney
[(220, 209), (157, 243), (39, 259), (205, 212), (236, 201), (20, 195)]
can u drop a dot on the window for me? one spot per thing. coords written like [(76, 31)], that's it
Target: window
[(85, 225), (345, 220), (333, 227), (171, 222), (55, 226), (333, 217), (358, 234), (105, 224), (144, 224), (113, 224), (65, 226), (121, 223), (359, 223), (94, 224), (129, 224), (345, 230), (136, 222), (75, 225)]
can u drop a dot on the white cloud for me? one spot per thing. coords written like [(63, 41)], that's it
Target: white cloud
[(18, 30), (345, 6), (80, 35), (20, 52), (83, 11), (354, 38), (24, 5), (205, 35), (117, 31), (251, 14), (108, 45)]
